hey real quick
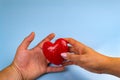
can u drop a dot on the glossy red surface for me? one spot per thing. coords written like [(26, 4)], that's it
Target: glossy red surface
[(52, 51)]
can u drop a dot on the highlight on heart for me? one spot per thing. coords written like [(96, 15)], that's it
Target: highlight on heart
[(52, 51)]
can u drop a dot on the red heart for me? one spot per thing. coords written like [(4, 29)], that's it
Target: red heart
[(52, 51)]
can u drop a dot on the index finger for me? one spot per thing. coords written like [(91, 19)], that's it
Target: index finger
[(48, 38), (73, 42)]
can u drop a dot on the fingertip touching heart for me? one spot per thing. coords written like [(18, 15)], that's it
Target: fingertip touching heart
[(52, 51)]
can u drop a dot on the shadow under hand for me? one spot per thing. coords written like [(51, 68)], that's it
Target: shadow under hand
[(71, 73)]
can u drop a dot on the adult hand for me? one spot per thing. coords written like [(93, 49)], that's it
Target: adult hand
[(29, 64), (85, 57)]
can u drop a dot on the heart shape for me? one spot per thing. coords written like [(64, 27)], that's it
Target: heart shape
[(52, 51)]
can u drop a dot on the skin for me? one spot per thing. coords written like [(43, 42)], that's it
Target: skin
[(29, 64), (90, 60)]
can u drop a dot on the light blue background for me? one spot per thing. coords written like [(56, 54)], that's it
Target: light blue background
[(96, 23)]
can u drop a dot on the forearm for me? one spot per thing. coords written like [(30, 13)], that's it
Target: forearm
[(113, 66), (10, 73)]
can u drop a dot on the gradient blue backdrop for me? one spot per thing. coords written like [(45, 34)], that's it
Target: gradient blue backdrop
[(96, 23)]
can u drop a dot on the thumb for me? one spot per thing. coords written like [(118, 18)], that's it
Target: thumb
[(26, 42), (70, 56)]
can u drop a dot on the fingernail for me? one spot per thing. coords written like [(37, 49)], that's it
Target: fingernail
[(64, 55)]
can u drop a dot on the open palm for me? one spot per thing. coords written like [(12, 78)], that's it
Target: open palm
[(31, 63)]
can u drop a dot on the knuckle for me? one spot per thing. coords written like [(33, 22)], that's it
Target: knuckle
[(69, 56)]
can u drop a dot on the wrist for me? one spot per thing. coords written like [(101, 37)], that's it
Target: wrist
[(17, 72), (113, 66), (10, 73), (105, 65)]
